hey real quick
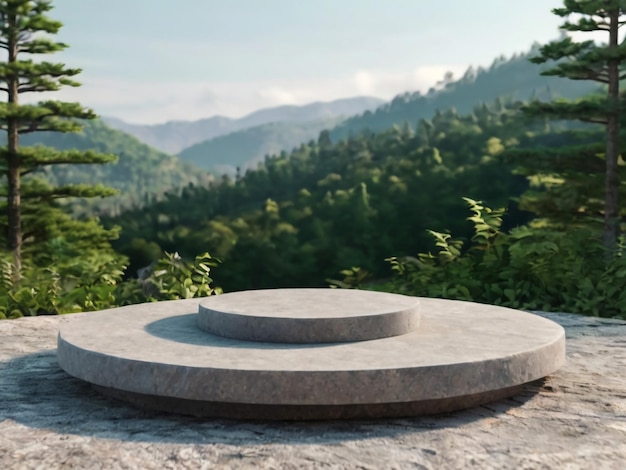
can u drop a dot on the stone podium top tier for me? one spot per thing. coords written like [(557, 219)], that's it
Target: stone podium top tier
[(308, 315)]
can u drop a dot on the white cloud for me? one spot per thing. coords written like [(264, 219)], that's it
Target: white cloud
[(387, 85), (160, 101), (365, 82)]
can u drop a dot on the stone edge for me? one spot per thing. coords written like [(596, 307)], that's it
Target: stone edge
[(364, 387), (308, 330), (273, 412)]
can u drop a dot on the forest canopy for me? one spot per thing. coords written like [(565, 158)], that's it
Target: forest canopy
[(443, 194)]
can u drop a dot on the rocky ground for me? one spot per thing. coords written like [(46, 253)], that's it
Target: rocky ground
[(573, 419)]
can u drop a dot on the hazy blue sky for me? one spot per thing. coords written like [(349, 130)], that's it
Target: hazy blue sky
[(156, 60)]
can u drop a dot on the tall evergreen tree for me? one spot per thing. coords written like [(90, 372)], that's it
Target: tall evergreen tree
[(604, 63), (25, 31)]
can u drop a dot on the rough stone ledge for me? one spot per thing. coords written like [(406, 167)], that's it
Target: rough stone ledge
[(573, 419)]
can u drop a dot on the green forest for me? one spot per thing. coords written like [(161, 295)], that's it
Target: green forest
[(140, 173), (502, 187)]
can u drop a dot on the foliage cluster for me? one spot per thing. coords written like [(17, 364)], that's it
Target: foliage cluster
[(140, 175), (534, 269), (512, 79), (603, 62), (300, 218), (95, 282)]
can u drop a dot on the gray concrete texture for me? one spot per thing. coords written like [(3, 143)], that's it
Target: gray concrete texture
[(574, 419), (461, 351), (308, 315)]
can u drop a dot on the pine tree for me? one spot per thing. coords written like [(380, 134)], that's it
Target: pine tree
[(25, 30), (603, 63)]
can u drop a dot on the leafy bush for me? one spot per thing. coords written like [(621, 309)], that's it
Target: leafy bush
[(95, 283), (353, 278), (172, 278), (88, 283), (528, 267)]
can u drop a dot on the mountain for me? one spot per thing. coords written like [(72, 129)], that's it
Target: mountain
[(141, 171), (247, 147), (303, 216), (515, 78), (174, 136), (221, 144)]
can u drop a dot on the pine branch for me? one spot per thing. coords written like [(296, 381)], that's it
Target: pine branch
[(578, 72), (44, 116), (49, 193), (592, 110), (56, 125), (40, 46), (586, 25), (37, 73), (39, 156), (578, 158), (560, 49)]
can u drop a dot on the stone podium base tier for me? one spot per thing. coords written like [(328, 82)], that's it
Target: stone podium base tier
[(429, 355)]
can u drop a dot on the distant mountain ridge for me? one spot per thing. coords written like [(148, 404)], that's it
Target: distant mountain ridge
[(515, 78), (225, 143), (174, 136), (247, 147), (142, 173)]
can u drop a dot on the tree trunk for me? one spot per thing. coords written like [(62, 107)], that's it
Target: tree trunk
[(14, 235), (611, 184)]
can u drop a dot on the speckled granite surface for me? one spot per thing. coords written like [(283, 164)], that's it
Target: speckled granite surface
[(308, 315), (574, 419), (459, 349)]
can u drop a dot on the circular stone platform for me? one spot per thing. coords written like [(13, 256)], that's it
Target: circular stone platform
[(308, 315), (462, 354)]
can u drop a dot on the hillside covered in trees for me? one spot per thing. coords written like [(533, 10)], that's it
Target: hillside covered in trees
[(302, 217), (268, 132), (484, 189), (246, 148), (141, 173), (514, 78), (175, 136)]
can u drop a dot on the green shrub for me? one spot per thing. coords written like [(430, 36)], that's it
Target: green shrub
[(95, 283), (88, 283), (353, 278), (528, 267), (173, 278)]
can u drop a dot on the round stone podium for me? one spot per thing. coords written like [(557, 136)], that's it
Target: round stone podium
[(308, 316), (310, 354)]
